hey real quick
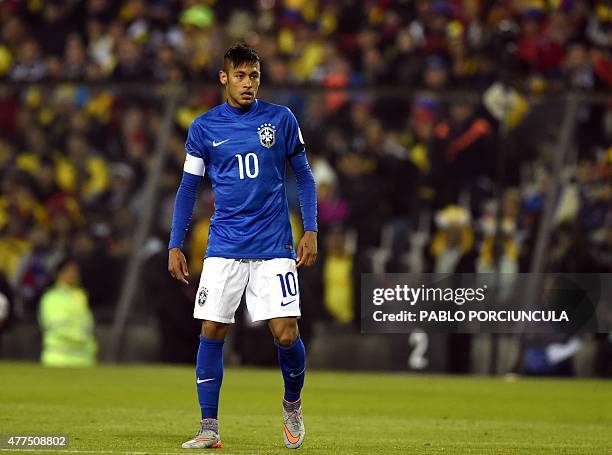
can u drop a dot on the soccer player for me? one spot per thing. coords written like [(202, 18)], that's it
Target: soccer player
[(244, 144)]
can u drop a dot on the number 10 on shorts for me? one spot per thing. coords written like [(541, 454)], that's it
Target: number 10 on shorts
[(288, 284)]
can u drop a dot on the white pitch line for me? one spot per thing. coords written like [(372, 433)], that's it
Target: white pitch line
[(127, 452)]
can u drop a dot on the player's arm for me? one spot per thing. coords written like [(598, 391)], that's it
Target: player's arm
[(183, 209), (193, 171), (307, 192)]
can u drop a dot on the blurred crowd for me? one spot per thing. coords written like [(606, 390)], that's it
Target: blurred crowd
[(421, 184), (407, 181), (404, 184), (72, 163), (456, 43)]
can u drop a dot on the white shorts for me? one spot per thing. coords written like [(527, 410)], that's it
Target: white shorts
[(271, 289)]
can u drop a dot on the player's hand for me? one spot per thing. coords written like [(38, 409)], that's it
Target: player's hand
[(307, 249), (177, 265)]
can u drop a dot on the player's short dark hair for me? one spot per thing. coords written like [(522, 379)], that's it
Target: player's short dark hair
[(239, 54)]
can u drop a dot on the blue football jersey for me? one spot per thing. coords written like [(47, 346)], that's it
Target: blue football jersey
[(244, 153)]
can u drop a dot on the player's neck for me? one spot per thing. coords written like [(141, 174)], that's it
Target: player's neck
[(240, 109)]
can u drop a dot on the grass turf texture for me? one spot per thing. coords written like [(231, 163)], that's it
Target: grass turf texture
[(153, 409)]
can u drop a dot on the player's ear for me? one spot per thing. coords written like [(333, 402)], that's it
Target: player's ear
[(223, 77)]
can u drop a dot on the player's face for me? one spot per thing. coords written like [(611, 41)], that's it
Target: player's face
[(241, 84)]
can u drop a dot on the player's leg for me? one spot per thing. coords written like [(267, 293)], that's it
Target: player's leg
[(209, 367), (218, 297), (292, 361), (209, 376), (291, 355), (273, 295)]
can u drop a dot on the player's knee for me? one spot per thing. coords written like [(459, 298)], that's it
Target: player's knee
[(287, 336), (214, 330)]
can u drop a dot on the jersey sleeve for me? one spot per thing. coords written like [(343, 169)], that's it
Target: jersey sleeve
[(307, 189), (195, 149), (294, 140)]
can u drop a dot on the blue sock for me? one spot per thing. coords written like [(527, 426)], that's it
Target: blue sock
[(209, 375), (292, 360)]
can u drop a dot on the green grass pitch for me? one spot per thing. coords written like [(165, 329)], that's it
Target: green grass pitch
[(153, 409)]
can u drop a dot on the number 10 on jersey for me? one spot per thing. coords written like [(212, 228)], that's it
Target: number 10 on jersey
[(288, 284), (250, 164)]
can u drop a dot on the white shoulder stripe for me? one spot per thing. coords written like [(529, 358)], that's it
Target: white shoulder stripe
[(194, 165)]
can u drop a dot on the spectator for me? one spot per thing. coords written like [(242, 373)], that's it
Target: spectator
[(435, 74), (54, 27), (461, 150), (30, 65), (66, 321), (130, 63), (338, 277), (82, 172), (75, 63), (452, 248)]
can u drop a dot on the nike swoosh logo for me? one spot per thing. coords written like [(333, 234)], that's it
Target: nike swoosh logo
[(200, 381), (217, 144), (285, 304), (294, 375), (292, 439)]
